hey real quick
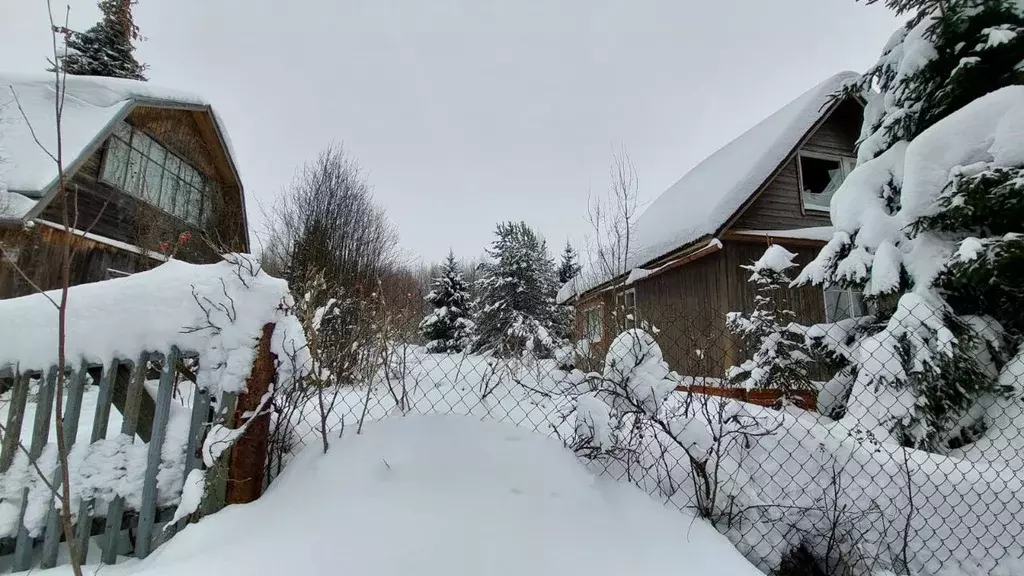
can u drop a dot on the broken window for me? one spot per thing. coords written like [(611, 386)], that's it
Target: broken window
[(820, 177)]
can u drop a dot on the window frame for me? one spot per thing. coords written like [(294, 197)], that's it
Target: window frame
[(598, 313), (858, 307), (187, 188), (846, 164), (622, 303)]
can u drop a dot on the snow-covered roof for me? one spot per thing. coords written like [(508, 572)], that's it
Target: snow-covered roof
[(704, 199), (92, 105)]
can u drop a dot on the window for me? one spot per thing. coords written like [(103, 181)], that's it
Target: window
[(627, 307), (820, 176), (843, 303), (595, 325), (142, 167)]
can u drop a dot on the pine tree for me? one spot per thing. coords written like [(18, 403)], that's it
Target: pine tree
[(564, 314), (447, 328), (930, 223), (516, 308), (569, 267), (779, 358), (106, 49)]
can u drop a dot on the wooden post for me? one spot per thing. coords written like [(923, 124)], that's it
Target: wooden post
[(249, 455)]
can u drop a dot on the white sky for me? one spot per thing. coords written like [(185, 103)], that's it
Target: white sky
[(468, 112)]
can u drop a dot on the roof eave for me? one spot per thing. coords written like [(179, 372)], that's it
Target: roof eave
[(666, 258), (51, 189)]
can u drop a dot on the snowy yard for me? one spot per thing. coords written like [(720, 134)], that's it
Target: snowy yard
[(807, 467), (444, 495)]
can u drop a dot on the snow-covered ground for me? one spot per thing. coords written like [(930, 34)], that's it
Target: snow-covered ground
[(968, 508), (445, 495)]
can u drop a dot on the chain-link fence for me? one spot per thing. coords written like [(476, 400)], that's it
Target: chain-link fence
[(852, 447)]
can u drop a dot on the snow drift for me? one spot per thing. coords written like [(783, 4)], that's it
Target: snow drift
[(445, 495)]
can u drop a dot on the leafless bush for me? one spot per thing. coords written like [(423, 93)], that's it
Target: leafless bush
[(327, 224), (613, 220)]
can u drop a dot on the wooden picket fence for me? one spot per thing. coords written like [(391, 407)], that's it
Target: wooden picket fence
[(121, 385)]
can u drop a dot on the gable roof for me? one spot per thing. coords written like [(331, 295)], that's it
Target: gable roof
[(92, 105), (706, 198), (708, 195)]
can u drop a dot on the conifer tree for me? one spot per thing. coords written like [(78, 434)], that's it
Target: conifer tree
[(930, 225), (517, 287), (564, 314), (779, 358), (447, 328), (569, 266), (107, 48)]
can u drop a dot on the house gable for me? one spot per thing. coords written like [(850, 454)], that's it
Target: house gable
[(105, 210), (777, 205)]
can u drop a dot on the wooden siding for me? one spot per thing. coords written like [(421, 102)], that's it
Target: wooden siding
[(603, 301), (688, 306), (808, 302), (38, 255), (778, 205), (838, 134)]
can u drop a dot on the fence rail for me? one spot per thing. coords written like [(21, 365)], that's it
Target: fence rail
[(143, 391)]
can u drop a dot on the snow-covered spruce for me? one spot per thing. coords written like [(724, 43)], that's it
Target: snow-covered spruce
[(778, 355), (516, 308), (106, 49), (929, 225), (448, 327)]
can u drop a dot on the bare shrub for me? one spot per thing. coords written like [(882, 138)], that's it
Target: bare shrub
[(327, 224)]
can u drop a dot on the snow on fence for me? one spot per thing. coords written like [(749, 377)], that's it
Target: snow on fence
[(158, 363)]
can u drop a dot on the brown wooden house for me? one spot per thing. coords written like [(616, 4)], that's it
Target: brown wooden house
[(147, 171), (770, 185)]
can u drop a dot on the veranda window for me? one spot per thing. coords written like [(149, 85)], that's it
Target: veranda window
[(142, 167)]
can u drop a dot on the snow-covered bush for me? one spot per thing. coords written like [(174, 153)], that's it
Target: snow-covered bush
[(778, 355), (448, 327), (929, 225), (682, 447)]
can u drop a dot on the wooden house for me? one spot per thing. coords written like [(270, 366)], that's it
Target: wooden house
[(772, 184), (148, 171)]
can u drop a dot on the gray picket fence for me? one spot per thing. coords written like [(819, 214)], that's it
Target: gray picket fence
[(121, 385)]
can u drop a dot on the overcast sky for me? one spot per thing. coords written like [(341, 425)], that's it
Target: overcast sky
[(468, 112)]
